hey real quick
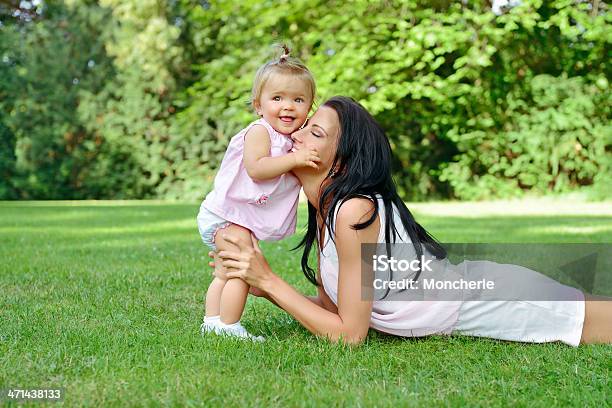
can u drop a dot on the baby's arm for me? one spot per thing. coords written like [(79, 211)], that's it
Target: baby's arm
[(260, 166)]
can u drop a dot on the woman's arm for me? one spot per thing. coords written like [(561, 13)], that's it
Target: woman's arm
[(260, 166), (351, 320), (320, 299), (314, 299)]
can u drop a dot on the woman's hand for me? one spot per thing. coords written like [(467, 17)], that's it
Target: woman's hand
[(221, 274), (217, 272), (249, 264)]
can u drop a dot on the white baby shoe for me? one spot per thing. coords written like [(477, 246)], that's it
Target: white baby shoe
[(213, 324), (236, 330)]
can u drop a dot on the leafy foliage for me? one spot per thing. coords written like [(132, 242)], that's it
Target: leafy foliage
[(477, 105), (557, 142), (46, 68)]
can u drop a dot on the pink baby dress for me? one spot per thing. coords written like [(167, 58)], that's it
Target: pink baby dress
[(268, 208)]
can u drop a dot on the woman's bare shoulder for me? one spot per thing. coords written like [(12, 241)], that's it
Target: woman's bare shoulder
[(355, 210)]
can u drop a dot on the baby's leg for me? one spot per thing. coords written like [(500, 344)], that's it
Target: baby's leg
[(235, 291), (213, 295)]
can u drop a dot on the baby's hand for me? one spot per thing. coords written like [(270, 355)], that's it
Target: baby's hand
[(306, 157)]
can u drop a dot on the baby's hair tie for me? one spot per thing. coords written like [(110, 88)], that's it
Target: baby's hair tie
[(286, 52)]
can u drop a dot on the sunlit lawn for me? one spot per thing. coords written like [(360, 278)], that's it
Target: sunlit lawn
[(105, 300)]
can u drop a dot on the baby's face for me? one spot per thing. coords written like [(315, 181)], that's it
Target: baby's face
[(284, 102)]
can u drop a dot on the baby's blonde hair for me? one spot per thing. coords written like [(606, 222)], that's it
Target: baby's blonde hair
[(283, 64)]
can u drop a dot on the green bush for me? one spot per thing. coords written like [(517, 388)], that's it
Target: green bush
[(476, 105), (556, 142)]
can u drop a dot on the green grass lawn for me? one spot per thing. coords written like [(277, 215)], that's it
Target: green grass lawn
[(105, 299)]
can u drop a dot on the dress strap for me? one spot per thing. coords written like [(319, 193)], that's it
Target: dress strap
[(264, 123)]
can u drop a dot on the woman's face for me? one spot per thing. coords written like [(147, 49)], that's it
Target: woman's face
[(321, 132)]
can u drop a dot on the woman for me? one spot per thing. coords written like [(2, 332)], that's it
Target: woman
[(352, 200)]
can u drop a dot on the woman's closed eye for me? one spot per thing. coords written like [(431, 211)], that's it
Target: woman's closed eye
[(317, 131)]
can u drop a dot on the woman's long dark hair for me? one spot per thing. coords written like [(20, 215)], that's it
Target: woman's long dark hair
[(362, 167)]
